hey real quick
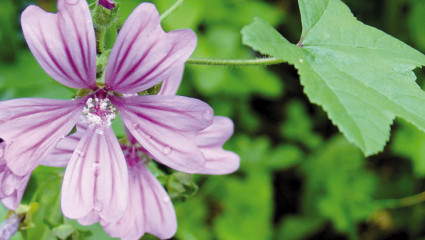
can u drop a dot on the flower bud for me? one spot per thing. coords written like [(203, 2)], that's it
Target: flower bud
[(109, 4)]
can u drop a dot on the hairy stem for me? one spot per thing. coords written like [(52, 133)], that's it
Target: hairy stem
[(244, 62), (102, 34), (171, 10)]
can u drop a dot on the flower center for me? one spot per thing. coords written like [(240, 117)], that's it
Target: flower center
[(100, 113), (134, 155)]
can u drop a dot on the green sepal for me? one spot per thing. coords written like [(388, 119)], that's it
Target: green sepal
[(180, 186)]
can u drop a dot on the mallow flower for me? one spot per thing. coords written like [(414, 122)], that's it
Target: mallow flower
[(144, 55), (150, 209)]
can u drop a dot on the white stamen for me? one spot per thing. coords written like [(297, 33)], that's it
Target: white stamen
[(99, 113)]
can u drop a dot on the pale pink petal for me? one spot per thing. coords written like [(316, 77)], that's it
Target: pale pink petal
[(91, 218), (12, 186), (18, 185), (96, 178), (143, 54), (133, 220), (32, 127), (150, 209), (130, 136), (171, 84), (211, 140), (64, 44), (61, 154), (216, 134), (166, 126), (219, 161)]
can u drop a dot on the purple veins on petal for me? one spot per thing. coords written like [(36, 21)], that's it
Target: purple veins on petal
[(33, 128), (143, 54), (210, 140), (166, 127), (64, 44), (61, 154), (150, 209), (95, 185), (96, 178)]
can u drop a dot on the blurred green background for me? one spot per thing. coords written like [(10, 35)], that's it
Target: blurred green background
[(299, 178)]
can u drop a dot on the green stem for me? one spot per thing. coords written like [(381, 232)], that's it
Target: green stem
[(404, 202), (102, 34), (245, 62), (170, 10)]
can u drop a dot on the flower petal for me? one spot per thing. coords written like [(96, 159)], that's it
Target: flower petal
[(64, 44), (91, 218), (143, 54), (219, 161), (216, 134), (18, 185), (96, 178), (12, 186), (166, 126), (61, 154), (211, 140), (32, 127), (149, 211), (171, 84)]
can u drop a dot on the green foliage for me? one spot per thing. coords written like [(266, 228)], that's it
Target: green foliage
[(345, 195), (253, 216), (298, 227), (298, 179), (416, 18), (298, 126), (410, 143), (361, 76)]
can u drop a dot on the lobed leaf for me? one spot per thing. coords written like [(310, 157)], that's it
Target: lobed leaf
[(361, 76)]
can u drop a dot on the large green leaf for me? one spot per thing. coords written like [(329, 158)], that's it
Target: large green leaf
[(361, 76)]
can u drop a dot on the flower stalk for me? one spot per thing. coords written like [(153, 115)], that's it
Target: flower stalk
[(227, 62), (171, 10), (404, 202)]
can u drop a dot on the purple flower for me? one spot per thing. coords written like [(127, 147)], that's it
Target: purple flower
[(109, 4), (149, 207), (144, 55)]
